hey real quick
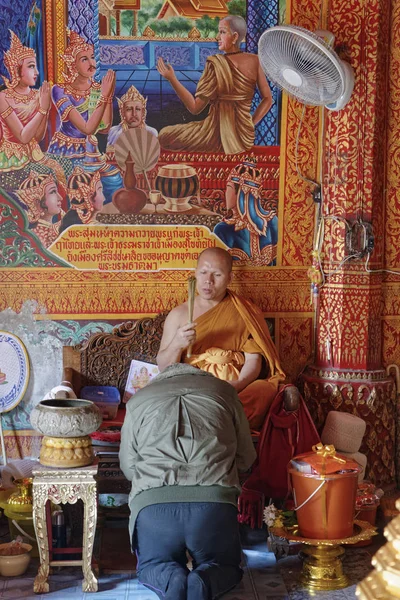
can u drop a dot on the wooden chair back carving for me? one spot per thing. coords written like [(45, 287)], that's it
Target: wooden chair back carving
[(105, 358)]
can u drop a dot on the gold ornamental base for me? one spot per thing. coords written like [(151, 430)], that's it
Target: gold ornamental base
[(66, 452), (322, 559), (322, 568)]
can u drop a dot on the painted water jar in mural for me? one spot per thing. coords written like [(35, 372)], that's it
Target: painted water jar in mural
[(177, 184), (66, 425), (129, 199)]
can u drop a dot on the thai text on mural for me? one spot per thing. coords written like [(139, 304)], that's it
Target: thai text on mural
[(133, 247)]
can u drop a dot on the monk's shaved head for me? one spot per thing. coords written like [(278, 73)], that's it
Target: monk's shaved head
[(220, 253)]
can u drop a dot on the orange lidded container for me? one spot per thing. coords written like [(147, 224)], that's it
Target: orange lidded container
[(324, 488)]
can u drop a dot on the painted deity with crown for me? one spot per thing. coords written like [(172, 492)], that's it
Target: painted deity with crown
[(85, 108), (23, 113), (250, 230), (133, 111), (85, 191), (42, 200)]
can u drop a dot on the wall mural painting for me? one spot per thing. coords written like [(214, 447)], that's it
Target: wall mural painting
[(135, 134)]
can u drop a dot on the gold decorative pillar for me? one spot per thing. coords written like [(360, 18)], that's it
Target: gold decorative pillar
[(384, 582), (56, 19), (348, 372)]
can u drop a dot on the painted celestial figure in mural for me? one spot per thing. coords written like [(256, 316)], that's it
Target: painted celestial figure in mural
[(227, 86), (84, 107), (42, 199), (251, 232), (85, 191), (132, 110), (23, 111)]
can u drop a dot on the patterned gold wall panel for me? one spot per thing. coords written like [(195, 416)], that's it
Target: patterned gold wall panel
[(392, 224), (298, 212), (391, 296), (60, 22), (354, 176), (391, 340), (298, 206), (355, 141), (68, 293), (48, 15), (295, 337), (352, 307)]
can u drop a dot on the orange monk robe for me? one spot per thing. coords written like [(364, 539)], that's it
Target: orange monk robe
[(229, 126), (223, 334)]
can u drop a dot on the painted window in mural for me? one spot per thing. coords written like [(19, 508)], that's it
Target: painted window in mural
[(144, 134)]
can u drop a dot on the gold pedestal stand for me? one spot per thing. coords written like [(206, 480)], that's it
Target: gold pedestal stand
[(322, 559), (66, 453), (322, 568)]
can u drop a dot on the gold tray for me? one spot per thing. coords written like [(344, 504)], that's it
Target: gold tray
[(362, 530)]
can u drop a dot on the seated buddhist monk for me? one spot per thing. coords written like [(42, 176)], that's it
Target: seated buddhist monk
[(228, 337)]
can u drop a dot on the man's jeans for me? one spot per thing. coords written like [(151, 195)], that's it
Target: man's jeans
[(207, 530)]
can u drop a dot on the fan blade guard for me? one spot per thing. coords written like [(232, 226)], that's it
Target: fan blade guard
[(303, 64)]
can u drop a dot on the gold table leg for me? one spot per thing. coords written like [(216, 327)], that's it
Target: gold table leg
[(89, 583), (322, 568), (40, 585)]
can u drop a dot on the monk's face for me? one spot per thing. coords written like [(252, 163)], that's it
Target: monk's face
[(226, 38), (213, 275)]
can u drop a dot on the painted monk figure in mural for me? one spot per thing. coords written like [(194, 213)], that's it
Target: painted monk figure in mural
[(84, 107), (133, 111), (251, 231), (23, 115), (229, 337), (227, 86), (85, 191), (42, 200)]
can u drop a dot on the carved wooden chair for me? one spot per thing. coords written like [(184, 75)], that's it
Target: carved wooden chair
[(105, 358)]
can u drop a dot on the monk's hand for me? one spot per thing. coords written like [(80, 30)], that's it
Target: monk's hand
[(186, 335), (165, 69)]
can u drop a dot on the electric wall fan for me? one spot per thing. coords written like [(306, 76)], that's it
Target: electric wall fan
[(305, 65)]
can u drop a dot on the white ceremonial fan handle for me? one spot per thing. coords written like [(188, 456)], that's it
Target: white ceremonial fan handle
[(147, 180)]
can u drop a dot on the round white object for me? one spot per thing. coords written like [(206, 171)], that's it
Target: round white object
[(292, 77)]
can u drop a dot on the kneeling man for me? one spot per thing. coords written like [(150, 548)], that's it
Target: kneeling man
[(184, 438), (228, 338)]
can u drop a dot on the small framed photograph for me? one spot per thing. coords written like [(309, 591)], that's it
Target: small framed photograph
[(140, 374)]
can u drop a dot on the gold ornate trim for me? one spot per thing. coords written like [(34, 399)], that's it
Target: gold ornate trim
[(346, 375)]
